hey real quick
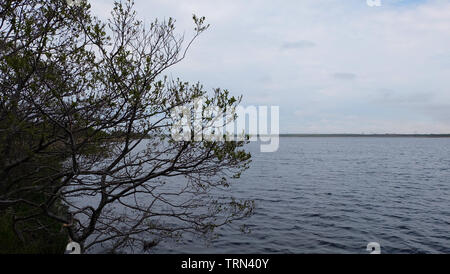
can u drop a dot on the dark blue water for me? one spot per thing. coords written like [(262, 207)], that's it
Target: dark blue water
[(334, 195)]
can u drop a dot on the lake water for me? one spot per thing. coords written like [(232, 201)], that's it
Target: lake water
[(334, 195)]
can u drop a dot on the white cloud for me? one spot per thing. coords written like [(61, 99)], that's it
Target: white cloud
[(401, 46)]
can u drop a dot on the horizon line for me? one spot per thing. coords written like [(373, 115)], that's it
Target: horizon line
[(358, 135)]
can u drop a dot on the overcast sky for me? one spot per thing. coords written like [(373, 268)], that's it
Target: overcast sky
[(333, 66)]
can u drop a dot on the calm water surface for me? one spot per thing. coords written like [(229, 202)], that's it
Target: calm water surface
[(334, 195)]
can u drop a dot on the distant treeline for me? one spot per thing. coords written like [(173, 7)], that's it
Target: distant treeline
[(368, 135)]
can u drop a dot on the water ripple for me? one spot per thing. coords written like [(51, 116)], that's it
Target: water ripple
[(334, 195)]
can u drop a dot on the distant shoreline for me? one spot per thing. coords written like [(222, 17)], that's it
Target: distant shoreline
[(367, 135)]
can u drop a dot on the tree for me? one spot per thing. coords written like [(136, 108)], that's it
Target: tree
[(85, 124)]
